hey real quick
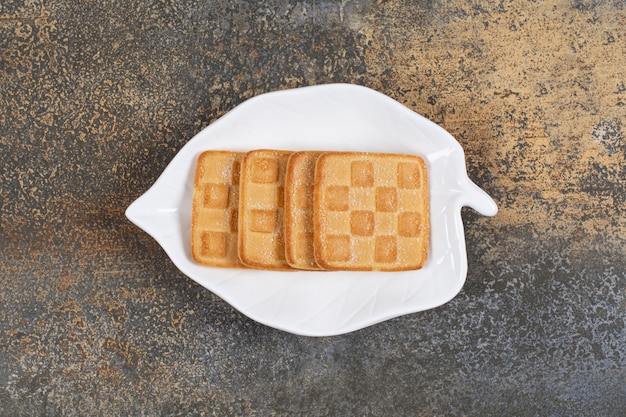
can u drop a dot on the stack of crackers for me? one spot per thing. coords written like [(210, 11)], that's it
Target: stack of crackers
[(310, 210)]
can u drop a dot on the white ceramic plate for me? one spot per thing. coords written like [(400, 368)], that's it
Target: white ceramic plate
[(326, 117)]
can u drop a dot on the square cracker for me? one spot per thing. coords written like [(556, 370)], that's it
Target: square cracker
[(261, 202), (298, 212), (371, 211), (214, 209)]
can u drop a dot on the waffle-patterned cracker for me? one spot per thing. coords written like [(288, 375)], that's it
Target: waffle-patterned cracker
[(298, 213), (214, 209), (261, 202), (371, 211)]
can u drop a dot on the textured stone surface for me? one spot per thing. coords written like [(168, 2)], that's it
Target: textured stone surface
[(97, 97)]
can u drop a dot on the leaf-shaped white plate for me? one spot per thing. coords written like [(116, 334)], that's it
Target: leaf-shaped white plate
[(326, 117)]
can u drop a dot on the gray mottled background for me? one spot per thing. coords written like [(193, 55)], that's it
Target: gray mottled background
[(96, 97)]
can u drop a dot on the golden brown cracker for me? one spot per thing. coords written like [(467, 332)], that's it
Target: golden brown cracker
[(214, 209), (261, 203), (371, 211), (298, 212)]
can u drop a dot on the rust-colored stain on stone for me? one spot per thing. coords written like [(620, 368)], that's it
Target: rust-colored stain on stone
[(97, 97), (535, 95)]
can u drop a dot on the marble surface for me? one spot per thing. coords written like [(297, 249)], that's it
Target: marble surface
[(97, 97)]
